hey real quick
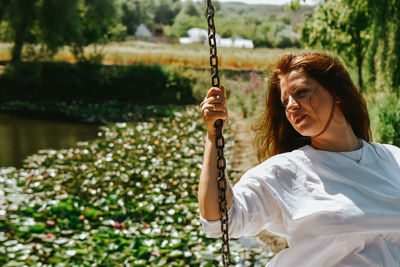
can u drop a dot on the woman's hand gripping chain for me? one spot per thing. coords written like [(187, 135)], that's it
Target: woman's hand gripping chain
[(214, 108)]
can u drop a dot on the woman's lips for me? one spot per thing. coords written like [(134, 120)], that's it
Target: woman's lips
[(298, 119)]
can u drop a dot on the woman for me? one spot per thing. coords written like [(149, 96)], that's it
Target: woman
[(325, 187)]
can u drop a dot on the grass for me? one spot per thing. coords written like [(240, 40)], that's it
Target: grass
[(5, 51), (193, 56)]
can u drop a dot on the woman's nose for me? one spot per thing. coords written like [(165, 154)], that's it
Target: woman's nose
[(292, 103)]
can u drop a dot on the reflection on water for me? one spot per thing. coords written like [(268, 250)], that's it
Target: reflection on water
[(21, 137)]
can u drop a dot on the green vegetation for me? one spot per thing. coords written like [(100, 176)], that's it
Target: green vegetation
[(60, 81), (365, 33), (53, 24), (89, 112), (266, 25), (49, 25), (385, 118)]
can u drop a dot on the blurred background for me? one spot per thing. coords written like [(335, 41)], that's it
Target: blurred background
[(101, 136)]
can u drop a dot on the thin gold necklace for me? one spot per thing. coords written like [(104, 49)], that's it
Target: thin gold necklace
[(356, 160)]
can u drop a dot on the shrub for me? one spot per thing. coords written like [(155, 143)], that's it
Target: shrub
[(60, 81), (248, 95), (389, 121)]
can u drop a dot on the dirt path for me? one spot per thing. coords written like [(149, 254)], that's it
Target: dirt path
[(243, 157)]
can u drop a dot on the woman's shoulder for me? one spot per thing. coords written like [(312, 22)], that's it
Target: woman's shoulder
[(391, 148), (387, 149), (285, 163), (278, 173)]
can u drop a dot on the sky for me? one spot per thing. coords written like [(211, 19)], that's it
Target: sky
[(272, 2)]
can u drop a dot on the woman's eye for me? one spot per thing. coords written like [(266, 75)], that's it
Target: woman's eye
[(301, 93)]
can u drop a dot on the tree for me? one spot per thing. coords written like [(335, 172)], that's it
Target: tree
[(183, 22), (54, 23), (98, 16), (131, 16), (385, 28), (59, 24), (166, 11), (341, 27), (191, 9), (365, 32), (19, 15)]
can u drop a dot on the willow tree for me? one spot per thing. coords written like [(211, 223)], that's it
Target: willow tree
[(344, 28), (385, 29), (365, 33)]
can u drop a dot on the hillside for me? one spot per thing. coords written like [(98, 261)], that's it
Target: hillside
[(262, 11)]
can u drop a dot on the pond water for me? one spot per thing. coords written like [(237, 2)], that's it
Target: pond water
[(21, 137)]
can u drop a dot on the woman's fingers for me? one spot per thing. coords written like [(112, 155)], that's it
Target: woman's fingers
[(214, 100), (215, 95), (214, 106), (214, 115), (215, 91)]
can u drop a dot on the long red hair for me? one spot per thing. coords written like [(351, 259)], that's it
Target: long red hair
[(274, 133)]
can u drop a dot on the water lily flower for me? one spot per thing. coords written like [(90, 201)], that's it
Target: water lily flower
[(144, 224), (49, 235), (50, 222), (81, 217), (117, 225), (155, 253)]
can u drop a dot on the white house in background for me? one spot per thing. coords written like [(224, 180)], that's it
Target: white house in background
[(226, 42), (243, 43), (197, 35), (143, 31)]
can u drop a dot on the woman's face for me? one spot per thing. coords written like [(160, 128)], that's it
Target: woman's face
[(308, 105)]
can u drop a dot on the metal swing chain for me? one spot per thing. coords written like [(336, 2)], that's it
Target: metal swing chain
[(219, 140)]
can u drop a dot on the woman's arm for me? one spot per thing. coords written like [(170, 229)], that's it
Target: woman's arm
[(213, 108), (208, 188)]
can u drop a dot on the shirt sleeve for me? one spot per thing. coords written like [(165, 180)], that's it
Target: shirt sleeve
[(254, 208), (394, 152)]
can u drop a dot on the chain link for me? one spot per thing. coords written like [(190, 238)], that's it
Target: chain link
[(219, 141)]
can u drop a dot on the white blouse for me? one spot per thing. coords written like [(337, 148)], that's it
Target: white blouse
[(332, 210)]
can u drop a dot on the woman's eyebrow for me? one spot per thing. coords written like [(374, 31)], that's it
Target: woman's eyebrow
[(302, 84), (296, 87)]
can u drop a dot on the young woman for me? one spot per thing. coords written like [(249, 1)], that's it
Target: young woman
[(322, 184)]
